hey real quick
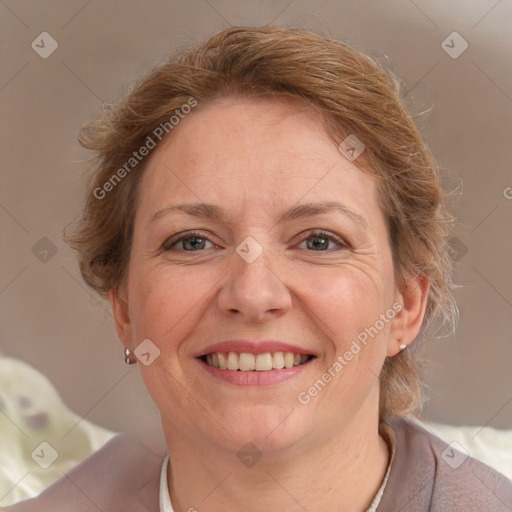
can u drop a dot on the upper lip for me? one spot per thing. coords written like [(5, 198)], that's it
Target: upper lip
[(253, 347)]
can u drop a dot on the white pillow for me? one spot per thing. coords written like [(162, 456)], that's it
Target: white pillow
[(40, 438), (491, 446)]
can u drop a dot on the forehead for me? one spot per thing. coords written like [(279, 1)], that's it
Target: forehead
[(264, 149)]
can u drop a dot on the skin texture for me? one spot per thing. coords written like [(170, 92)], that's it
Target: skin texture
[(255, 159)]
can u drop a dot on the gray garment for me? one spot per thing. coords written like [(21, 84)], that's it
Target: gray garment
[(426, 476), (125, 474)]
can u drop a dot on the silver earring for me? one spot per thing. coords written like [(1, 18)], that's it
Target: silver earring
[(402, 347), (127, 358)]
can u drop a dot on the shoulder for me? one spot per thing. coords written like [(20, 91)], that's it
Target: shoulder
[(123, 475), (429, 474)]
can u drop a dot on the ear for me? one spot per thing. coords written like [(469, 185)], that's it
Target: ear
[(407, 322), (119, 304)]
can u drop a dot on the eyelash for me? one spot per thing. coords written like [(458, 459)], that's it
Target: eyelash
[(168, 244)]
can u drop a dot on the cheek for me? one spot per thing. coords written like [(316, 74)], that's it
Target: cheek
[(344, 301), (352, 308), (165, 307), (165, 303)]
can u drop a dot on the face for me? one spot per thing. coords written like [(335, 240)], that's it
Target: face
[(289, 264)]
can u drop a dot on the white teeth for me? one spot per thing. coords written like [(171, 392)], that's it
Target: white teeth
[(278, 361), (246, 361), (289, 360), (223, 362), (233, 361), (263, 362)]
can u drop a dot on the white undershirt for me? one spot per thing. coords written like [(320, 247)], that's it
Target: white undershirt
[(165, 498)]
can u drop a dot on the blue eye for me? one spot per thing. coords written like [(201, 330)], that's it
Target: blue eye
[(321, 241), (190, 242), (195, 241)]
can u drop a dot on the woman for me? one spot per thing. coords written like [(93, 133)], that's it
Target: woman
[(271, 233)]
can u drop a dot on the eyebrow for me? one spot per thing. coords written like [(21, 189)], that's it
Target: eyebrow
[(211, 211)]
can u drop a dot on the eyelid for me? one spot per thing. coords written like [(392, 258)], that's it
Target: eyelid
[(169, 242), (342, 242), (173, 240)]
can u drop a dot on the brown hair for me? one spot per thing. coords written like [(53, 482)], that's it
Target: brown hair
[(353, 93)]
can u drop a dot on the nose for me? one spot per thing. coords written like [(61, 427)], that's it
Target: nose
[(254, 292)]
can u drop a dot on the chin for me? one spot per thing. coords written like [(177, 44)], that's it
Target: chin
[(269, 428)]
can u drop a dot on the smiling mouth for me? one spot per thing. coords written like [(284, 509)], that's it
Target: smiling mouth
[(246, 362)]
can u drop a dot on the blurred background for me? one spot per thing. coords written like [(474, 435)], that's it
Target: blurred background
[(62, 59)]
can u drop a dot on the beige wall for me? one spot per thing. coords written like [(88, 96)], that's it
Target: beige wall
[(48, 317)]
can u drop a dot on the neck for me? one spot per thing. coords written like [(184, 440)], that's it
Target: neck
[(343, 470)]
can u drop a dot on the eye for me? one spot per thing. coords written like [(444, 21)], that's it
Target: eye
[(189, 242), (194, 241), (320, 240)]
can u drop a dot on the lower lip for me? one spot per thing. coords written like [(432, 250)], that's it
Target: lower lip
[(254, 378)]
